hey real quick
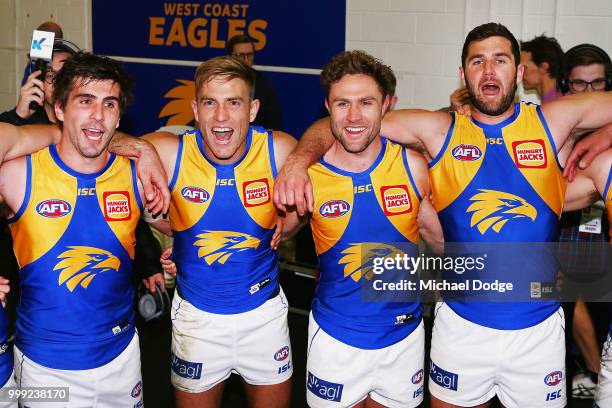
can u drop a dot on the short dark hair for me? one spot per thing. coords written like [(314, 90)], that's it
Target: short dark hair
[(238, 39), (225, 67), (84, 67), (586, 54), (545, 49), (358, 62), (484, 31)]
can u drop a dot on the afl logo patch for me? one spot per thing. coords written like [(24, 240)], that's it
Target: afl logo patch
[(53, 208), (256, 192), (116, 205), (553, 378), (334, 208), (396, 200), (195, 194), (282, 354), (465, 152), (530, 154), (417, 377), (137, 390)]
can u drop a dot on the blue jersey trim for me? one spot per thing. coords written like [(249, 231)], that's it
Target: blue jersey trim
[(550, 138), (271, 153), (28, 192), (376, 162), (503, 123), (607, 187), (414, 186), (135, 184), (177, 163), (200, 141), (446, 141), (89, 176)]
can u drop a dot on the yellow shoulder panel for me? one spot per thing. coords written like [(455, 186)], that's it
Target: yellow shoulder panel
[(333, 206), (458, 161), (255, 182)]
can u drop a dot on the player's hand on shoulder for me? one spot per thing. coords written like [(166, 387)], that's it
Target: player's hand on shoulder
[(4, 290), (460, 101), (154, 180), (167, 263), (585, 151)]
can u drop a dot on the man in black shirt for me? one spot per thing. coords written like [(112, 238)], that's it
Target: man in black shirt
[(269, 115)]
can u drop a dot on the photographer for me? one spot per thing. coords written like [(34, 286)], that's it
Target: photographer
[(39, 89)]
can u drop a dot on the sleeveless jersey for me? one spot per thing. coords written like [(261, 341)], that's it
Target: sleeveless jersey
[(502, 183), (74, 240), (607, 196), (223, 219), (359, 216)]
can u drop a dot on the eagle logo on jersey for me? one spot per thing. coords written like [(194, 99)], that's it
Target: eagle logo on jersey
[(218, 246), (492, 209), (358, 258), (179, 108), (80, 264)]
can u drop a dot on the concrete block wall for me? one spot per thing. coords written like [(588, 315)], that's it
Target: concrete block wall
[(420, 39)]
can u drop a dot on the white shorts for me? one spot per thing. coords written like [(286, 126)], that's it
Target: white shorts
[(339, 375), (472, 363), (115, 384), (10, 383), (207, 347), (603, 394)]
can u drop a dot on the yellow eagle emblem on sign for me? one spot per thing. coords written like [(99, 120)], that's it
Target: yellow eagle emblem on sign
[(218, 246), (358, 258), (80, 264), (179, 108), (492, 209)]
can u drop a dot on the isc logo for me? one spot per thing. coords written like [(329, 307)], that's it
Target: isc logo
[(334, 208), (551, 396), (53, 208), (282, 354), (195, 194), (553, 378), (465, 152)]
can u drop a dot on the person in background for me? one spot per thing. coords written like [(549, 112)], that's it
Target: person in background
[(270, 115)]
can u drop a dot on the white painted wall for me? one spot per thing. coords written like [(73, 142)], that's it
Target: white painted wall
[(420, 39)]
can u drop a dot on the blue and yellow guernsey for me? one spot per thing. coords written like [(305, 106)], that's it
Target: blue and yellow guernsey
[(74, 241), (502, 183), (357, 217), (223, 219), (607, 196)]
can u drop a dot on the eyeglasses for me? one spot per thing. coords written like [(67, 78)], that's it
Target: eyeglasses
[(244, 55), (579, 85)]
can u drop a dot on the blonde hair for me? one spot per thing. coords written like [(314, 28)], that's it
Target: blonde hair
[(227, 67)]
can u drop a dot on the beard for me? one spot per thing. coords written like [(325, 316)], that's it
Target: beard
[(337, 132), (488, 108)]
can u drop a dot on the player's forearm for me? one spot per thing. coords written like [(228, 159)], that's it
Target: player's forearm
[(317, 139), (129, 146), (291, 224), (19, 141)]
